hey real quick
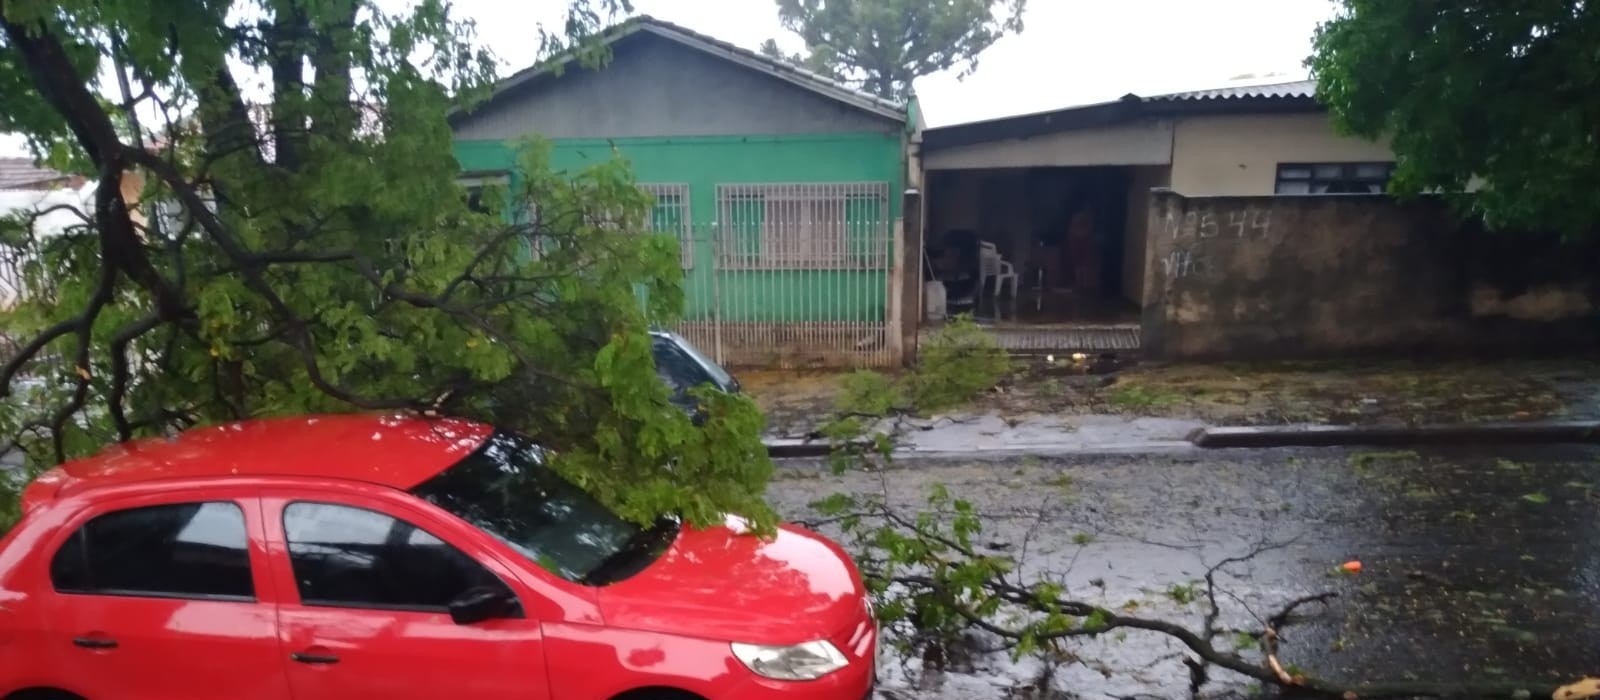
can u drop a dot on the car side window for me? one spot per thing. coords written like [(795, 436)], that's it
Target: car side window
[(182, 550), (350, 557)]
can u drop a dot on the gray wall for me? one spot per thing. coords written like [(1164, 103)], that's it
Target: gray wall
[(657, 87), (1278, 277)]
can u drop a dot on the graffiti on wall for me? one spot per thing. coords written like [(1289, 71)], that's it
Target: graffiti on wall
[(1194, 234)]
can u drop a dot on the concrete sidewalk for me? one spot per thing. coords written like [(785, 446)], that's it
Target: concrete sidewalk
[(995, 436)]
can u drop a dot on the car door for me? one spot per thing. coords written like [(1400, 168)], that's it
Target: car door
[(367, 583), (142, 590)]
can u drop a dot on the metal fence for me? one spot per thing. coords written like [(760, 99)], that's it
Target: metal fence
[(793, 276)]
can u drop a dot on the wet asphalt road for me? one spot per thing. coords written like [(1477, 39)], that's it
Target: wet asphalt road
[(1476, 563)]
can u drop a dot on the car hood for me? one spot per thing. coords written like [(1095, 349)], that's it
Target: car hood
[(717, 583)]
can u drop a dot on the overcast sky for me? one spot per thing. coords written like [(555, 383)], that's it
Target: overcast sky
[(1071, 51)]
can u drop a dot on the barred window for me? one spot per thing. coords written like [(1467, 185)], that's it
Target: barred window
[(803, 226), (671, 216)]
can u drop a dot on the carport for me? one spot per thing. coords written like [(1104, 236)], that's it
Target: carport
[(1062, 197)]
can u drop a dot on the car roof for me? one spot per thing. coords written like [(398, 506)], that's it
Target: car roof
[(387, 450)]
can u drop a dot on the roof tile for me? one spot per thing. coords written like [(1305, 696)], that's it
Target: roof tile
[(23, 174)]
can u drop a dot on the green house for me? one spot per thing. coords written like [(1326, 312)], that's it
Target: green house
[(783, 187)]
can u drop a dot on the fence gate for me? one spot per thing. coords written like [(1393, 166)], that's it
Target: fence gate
[(793, 276)]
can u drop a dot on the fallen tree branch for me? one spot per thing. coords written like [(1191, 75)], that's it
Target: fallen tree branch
[(939, 575)]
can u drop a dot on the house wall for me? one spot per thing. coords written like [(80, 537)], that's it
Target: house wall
[(655, 87), (702, 163), (1309, 276), (1238, 154), (680, 115), (1142, 143)]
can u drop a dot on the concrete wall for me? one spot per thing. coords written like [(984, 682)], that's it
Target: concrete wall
[(1243, 277), (1238, 155), (1143, 143), (655, 87), (1140, 181)]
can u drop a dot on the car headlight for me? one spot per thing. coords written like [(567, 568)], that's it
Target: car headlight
[(801, 662)]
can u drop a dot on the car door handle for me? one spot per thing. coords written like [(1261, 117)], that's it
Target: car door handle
[(94, 642), (308, 658)]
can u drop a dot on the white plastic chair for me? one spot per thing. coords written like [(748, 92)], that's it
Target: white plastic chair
[(992, 266)]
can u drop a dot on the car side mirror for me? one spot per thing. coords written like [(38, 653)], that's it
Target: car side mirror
[(481, 604)]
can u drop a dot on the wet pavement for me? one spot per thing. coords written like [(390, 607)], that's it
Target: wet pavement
[(1477, 564)]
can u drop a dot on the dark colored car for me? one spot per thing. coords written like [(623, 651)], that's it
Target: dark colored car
[(683, 367)]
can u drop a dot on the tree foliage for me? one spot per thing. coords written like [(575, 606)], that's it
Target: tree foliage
[(882, 45), (1507, 92), (294, 240)]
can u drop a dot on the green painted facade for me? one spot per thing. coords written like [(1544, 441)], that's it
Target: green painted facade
[(702, 163)]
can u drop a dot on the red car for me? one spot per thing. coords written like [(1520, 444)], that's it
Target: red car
[(354, 557)]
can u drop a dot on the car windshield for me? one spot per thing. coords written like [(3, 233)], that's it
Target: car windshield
[(718, 374), (505, 489)]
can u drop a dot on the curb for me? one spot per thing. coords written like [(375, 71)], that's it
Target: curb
[(1543, 432), (797, 449), (1240, 437), (821, 450)]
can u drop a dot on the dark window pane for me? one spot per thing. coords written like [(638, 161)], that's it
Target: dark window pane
[(1329, 172), (1294, 188), (189, 550), (1373, 171), (1294, 173), (352, 557), (475, 200)]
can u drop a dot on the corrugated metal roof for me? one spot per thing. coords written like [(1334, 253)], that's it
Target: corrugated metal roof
[(1297, 88), (23, 174), (1270, 97), (752, 59)]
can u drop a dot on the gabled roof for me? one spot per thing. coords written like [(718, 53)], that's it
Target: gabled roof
[(783, 70), (1297, 96)]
